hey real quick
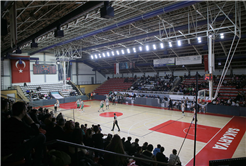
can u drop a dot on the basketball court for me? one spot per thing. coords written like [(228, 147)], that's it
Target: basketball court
[(218, 136)]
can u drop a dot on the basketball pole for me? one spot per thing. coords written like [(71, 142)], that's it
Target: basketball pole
[(194, 156), (211, 65)]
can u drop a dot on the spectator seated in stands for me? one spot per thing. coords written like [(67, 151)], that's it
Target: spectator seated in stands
[(161, 157), (38, 88), (27, 91), (72, 94), (19, 138), (126, 79)]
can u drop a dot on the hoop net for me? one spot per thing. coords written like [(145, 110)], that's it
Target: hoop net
[(203, 97)]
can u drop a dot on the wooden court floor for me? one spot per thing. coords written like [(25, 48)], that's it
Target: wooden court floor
[(218, 136)]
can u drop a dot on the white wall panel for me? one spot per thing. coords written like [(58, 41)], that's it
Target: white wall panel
[(152, 74), (37, 78), (74, 79), (109, 75), (84, 69), (39, 55), (52, 78), (73, 71), (7, 67), (85, 79), (100, 78), (6, 82), (50, 58), (117, 75), (180, 73), (164, 73), (127, 75)]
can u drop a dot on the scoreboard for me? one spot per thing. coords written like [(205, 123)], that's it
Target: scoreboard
[(208, 77)]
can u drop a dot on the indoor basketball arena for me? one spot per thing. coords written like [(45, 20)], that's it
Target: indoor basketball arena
[(123, 83)]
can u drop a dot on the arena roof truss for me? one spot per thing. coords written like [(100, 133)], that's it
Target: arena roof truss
[(135, 24)]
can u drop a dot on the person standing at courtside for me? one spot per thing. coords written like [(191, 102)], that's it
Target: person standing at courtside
[(115, 123)]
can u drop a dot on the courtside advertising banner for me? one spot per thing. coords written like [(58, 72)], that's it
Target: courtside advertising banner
[(189, 60), (20, 70), (163, 62)]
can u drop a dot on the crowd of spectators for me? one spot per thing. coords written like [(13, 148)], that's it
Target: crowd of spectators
[(155, 83), (36, 95), (26, 131), (238, 101), (239, 81)]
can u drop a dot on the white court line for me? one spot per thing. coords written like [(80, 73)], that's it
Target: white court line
[(211, 139), (134, 125)]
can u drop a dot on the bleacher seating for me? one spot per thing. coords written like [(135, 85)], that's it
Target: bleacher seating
[(113, 84), (225, 91), (46, 88)]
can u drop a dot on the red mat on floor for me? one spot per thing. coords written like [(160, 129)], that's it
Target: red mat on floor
[(179, 129), (70, 105), (223, 144)]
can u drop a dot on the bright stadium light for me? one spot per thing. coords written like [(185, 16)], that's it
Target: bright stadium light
[(199, 39), (147, 47), (134, 49), (108, 54), (99, 55), (118, 53), (96, 56), (112, 53), (179, 43), (122, 51), (103, 55), (140, 48), (170, 44), (92, 57), (222, 35), (128, 51), (162, 45), (154, 46)]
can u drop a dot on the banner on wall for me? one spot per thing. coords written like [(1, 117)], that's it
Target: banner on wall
[(116, 68), (189, 60), (205, 62), (20, 70), (44, 69), (163, 62)]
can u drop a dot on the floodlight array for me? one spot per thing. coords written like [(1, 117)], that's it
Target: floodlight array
[(140, 48)]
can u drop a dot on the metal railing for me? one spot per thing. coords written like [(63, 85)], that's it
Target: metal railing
[(154, 92), (76, 146)]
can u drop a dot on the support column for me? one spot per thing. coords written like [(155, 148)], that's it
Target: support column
[(210, 65), (64, 73)]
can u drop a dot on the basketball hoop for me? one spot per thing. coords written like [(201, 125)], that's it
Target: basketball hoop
[(203, 97)]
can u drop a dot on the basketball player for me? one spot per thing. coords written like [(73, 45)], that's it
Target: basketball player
[(115, 123), (82, 105), (107, 103), (203, 107), (58, 104), (113, 100), (101, 106), (183, 108), (78, 104), (55, 107)]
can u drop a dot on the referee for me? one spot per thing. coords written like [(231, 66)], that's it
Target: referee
[(115, 122)]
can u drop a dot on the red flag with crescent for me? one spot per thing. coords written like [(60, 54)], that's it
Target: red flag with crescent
[(20, 69)]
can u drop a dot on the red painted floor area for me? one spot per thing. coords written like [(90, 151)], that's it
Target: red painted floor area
[(72, 105), (223, 144), (179, 129), (111, 114)]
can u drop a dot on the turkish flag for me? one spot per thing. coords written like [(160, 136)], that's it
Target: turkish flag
[(20, 69)]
